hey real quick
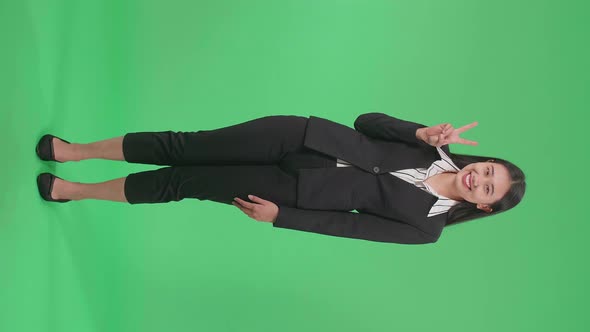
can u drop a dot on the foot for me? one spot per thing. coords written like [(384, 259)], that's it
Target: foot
[(62, 189), (62, 150)]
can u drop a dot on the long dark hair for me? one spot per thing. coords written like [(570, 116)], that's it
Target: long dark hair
[(465, 210)]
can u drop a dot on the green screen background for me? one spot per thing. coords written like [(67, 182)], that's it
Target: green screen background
[(96, 69)]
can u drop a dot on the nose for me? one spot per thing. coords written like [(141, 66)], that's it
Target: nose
[(481, 180)]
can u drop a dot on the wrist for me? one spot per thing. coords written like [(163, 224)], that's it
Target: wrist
[(420, 134)]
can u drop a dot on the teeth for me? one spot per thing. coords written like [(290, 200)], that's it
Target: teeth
[(468, 180)]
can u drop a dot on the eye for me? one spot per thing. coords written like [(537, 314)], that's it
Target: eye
[(487, 189), (488, 171)]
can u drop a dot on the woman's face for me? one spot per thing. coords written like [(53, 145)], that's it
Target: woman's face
[(483, 183)]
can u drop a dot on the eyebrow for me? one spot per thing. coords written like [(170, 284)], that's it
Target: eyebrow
[(492, 184)]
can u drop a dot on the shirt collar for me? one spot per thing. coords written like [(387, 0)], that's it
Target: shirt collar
[(445, 164), (447, 159)]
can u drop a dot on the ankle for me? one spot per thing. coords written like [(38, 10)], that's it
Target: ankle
[(78, 152), (73, 191)]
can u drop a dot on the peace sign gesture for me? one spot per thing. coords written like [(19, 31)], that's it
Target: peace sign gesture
[(445, 133)]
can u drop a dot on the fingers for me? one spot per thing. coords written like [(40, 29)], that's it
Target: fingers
[(447, 129), (243, 203), (251, 209), (257, 199), (445, 133), (460, 140), (466, 127), (246, 207), (466, 141), (255, 211), (435, 130), (246, 211), (431, 131), (441, 140)]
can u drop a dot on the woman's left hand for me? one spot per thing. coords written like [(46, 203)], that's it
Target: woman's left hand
[(261, 210)]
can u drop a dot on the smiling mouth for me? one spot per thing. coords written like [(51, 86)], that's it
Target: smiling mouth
[(467, 179)]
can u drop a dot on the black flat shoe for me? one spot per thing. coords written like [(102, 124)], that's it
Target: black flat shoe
[(45, 184), (44, 148)]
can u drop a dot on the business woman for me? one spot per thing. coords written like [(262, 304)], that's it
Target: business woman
[(386, 180)]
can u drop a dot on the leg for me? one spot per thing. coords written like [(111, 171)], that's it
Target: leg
[(106, 149), (277, 183), (112, 190), (260, 141), (216, 183)]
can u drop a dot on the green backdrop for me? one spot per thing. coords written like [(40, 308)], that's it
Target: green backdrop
[(96, 69)]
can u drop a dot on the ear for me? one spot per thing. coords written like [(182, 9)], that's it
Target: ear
[(484, 207)]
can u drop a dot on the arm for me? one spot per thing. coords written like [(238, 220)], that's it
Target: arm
[(352, 225), (383, 126)]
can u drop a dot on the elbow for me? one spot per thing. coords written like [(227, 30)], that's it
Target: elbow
[(432, 238), (363, 118), (358, 122)]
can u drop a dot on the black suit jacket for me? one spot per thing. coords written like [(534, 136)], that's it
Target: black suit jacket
[(389, 209)]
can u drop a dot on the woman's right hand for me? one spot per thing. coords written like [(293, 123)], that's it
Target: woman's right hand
[(445, 133)]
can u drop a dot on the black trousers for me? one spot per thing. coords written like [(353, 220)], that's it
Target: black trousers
[(259, 157)]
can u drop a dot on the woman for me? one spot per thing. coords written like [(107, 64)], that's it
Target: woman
[(306, 174)]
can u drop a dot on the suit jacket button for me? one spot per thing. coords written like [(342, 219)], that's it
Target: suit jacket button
[(376, 169)]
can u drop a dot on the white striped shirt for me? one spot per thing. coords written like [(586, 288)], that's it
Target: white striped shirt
[(417, 176)]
